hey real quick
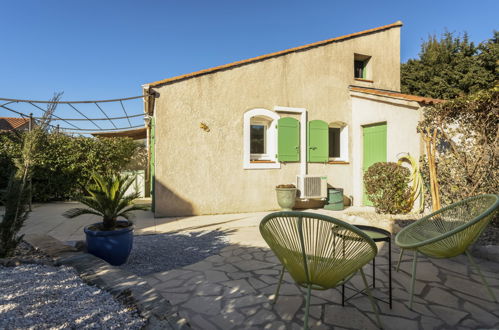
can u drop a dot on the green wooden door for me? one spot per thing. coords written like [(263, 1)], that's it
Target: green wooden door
[(374, 137)]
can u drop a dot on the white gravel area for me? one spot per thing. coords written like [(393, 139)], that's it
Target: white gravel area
[(47, 297)]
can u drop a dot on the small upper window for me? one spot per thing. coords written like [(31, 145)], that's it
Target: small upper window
[(361, 67)]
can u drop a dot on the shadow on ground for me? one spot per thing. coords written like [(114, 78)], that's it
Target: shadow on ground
[(234, 289), (162, 252)]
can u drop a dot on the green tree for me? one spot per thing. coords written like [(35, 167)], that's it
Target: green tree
[(452, 66)]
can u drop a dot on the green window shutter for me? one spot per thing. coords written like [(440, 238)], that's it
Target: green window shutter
[(288, 140), (318, 141)]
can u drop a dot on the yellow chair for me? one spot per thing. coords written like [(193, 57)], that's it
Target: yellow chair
[(318, 251), (448, 232)]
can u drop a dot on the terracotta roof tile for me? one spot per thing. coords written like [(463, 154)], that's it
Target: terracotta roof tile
[(9, 123), (267, 56), (394, 94), (136, 134)]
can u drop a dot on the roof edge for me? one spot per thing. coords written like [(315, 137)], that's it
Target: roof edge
[(394, 94), (141, 131), (271, 55)]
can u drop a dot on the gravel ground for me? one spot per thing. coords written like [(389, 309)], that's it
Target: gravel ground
[(157, 253), (43, 297), (26, 251)]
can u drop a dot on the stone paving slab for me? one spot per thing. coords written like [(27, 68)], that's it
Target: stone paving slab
[(219, 297)]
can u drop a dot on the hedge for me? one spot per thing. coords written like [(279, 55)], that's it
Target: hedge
[(67, 162)]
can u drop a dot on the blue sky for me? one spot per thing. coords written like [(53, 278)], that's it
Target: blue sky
[(98, 49)]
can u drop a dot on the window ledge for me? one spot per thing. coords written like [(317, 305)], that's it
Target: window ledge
[(364, 80), (258, 164), (338, 162), (262, 161)]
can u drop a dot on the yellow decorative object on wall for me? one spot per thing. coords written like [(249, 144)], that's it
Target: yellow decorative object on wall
[(204, 127)]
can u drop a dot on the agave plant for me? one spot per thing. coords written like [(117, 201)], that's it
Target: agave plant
[(106, 198)]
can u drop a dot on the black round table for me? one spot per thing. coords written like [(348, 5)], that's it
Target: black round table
[(377, 235)]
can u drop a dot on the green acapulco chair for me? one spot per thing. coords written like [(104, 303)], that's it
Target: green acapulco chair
[(448, 232), (318, 251)]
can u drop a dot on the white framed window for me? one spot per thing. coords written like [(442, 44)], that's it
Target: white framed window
[(338, 142), (259, 131), (260, 139)]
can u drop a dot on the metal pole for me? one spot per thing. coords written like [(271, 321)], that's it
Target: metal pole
[(484, 281), (413, 280), (390, 269), (30, 128)]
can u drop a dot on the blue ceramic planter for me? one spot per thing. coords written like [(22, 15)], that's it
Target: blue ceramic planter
[(113, 246)]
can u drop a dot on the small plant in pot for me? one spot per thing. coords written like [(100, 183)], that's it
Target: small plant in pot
[(111, 239), (286, 196)]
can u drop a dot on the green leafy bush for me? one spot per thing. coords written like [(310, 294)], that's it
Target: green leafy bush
[(387, 186), (66, 163), (9, 150)]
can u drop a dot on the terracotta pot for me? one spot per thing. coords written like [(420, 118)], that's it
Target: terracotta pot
[(286, 197)]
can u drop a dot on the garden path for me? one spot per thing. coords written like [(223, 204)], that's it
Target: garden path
[(241, 228)]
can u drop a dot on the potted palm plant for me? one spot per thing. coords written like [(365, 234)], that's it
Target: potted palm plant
[(111, 239)]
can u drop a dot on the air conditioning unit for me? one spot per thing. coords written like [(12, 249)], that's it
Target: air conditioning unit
[(312, 186)]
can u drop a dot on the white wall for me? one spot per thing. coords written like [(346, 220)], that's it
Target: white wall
[(139, 184), (401, 117)]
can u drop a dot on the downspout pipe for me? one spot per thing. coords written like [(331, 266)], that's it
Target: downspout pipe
[(303, 134)]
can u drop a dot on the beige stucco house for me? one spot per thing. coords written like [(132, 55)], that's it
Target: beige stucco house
[(221, 139)]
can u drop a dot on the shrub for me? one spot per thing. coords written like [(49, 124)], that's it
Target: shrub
[(387, 186), (8, 150), (66, 163)]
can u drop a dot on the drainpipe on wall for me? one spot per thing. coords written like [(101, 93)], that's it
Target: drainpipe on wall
[(149, 106), (303, 134)]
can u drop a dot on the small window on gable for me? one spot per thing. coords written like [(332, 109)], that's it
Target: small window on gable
[(362, 67), (338, 142)]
